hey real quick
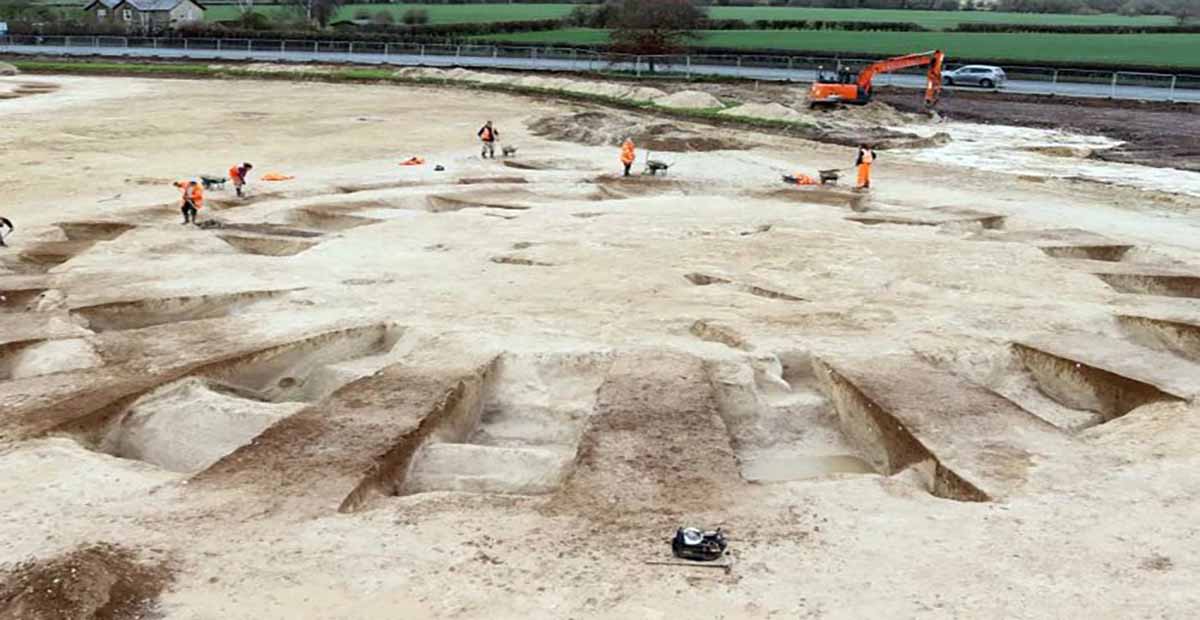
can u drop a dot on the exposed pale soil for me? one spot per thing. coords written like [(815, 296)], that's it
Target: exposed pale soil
[(381, 391)]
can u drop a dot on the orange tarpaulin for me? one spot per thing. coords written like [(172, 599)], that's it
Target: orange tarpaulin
[(413, 161), (277, 176)]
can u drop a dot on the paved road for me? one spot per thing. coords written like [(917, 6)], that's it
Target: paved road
[(1071, 89)]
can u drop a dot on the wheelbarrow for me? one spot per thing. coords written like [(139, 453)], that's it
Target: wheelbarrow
[(654, 166), (211, 182), (830, 177)]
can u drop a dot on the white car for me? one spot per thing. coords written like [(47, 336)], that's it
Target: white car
[(983, 76)]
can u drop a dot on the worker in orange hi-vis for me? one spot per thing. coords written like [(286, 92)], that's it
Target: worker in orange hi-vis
[(237, 174), (193, 199), (627, 154), (866, 157), (488, 135)]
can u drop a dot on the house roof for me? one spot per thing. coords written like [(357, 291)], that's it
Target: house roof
[(106, 3), (351, 22), (151, 5)]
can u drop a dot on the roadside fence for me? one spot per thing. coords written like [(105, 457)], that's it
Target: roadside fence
[(1022, 79)]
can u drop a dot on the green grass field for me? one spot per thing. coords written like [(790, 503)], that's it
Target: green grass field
[(467, 13), (939, 20), (1165, 50), (438, 13)]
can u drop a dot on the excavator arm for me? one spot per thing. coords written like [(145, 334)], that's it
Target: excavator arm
[(933, 85)]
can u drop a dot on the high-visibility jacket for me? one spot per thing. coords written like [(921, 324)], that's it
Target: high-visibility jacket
[(865, 156), (237, 175), (627, 153), (487, 134), (192, 192)]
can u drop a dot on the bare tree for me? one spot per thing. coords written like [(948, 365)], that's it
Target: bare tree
[(655, 26), (1185, 10), (318, 12)]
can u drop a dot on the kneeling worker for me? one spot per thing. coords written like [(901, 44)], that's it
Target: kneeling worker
[(800, 179), (193, 199), (237, 174)]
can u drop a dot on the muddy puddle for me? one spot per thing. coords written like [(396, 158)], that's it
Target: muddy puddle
[(1048, 153)]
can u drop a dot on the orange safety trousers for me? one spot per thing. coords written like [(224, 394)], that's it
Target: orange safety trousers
[(864, 175)]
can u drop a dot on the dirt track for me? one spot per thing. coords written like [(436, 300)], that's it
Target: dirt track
[(379, 391)]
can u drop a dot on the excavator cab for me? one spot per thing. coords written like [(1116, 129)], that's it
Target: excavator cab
[(833, 87), (834, 92)]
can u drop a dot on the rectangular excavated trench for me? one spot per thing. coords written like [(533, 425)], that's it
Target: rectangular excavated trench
[(444, 203), (19, 300), (307, 370), (533, 411), (359, 444), (1069, 243), (568, 424), (956, 219), (700, 279), (42, 257), (782, 428), (189, 424), (964, 441), (1167, 285), (1110, 253), (885, 442), (1094, 381), (267, 246), (142, 313), (94, 230), (326, 218), (1011, 378), (1180, 337)]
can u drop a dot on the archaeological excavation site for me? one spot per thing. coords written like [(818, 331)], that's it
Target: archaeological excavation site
[(478, 387)]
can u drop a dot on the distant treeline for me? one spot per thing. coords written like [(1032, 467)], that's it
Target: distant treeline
[(804, 24), (1074, 29), (1178, 8)]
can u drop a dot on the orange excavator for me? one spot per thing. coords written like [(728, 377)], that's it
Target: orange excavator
[(832, 89)]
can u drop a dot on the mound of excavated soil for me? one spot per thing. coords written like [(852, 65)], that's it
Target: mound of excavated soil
[(876, 113), (644, 93), (1077, 152), (420, 73), (689, 100), (910, 141), (602, 89), (268, 67), (603, 129), (7, 69), (584, 87), (97, 581), (770, 111)]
